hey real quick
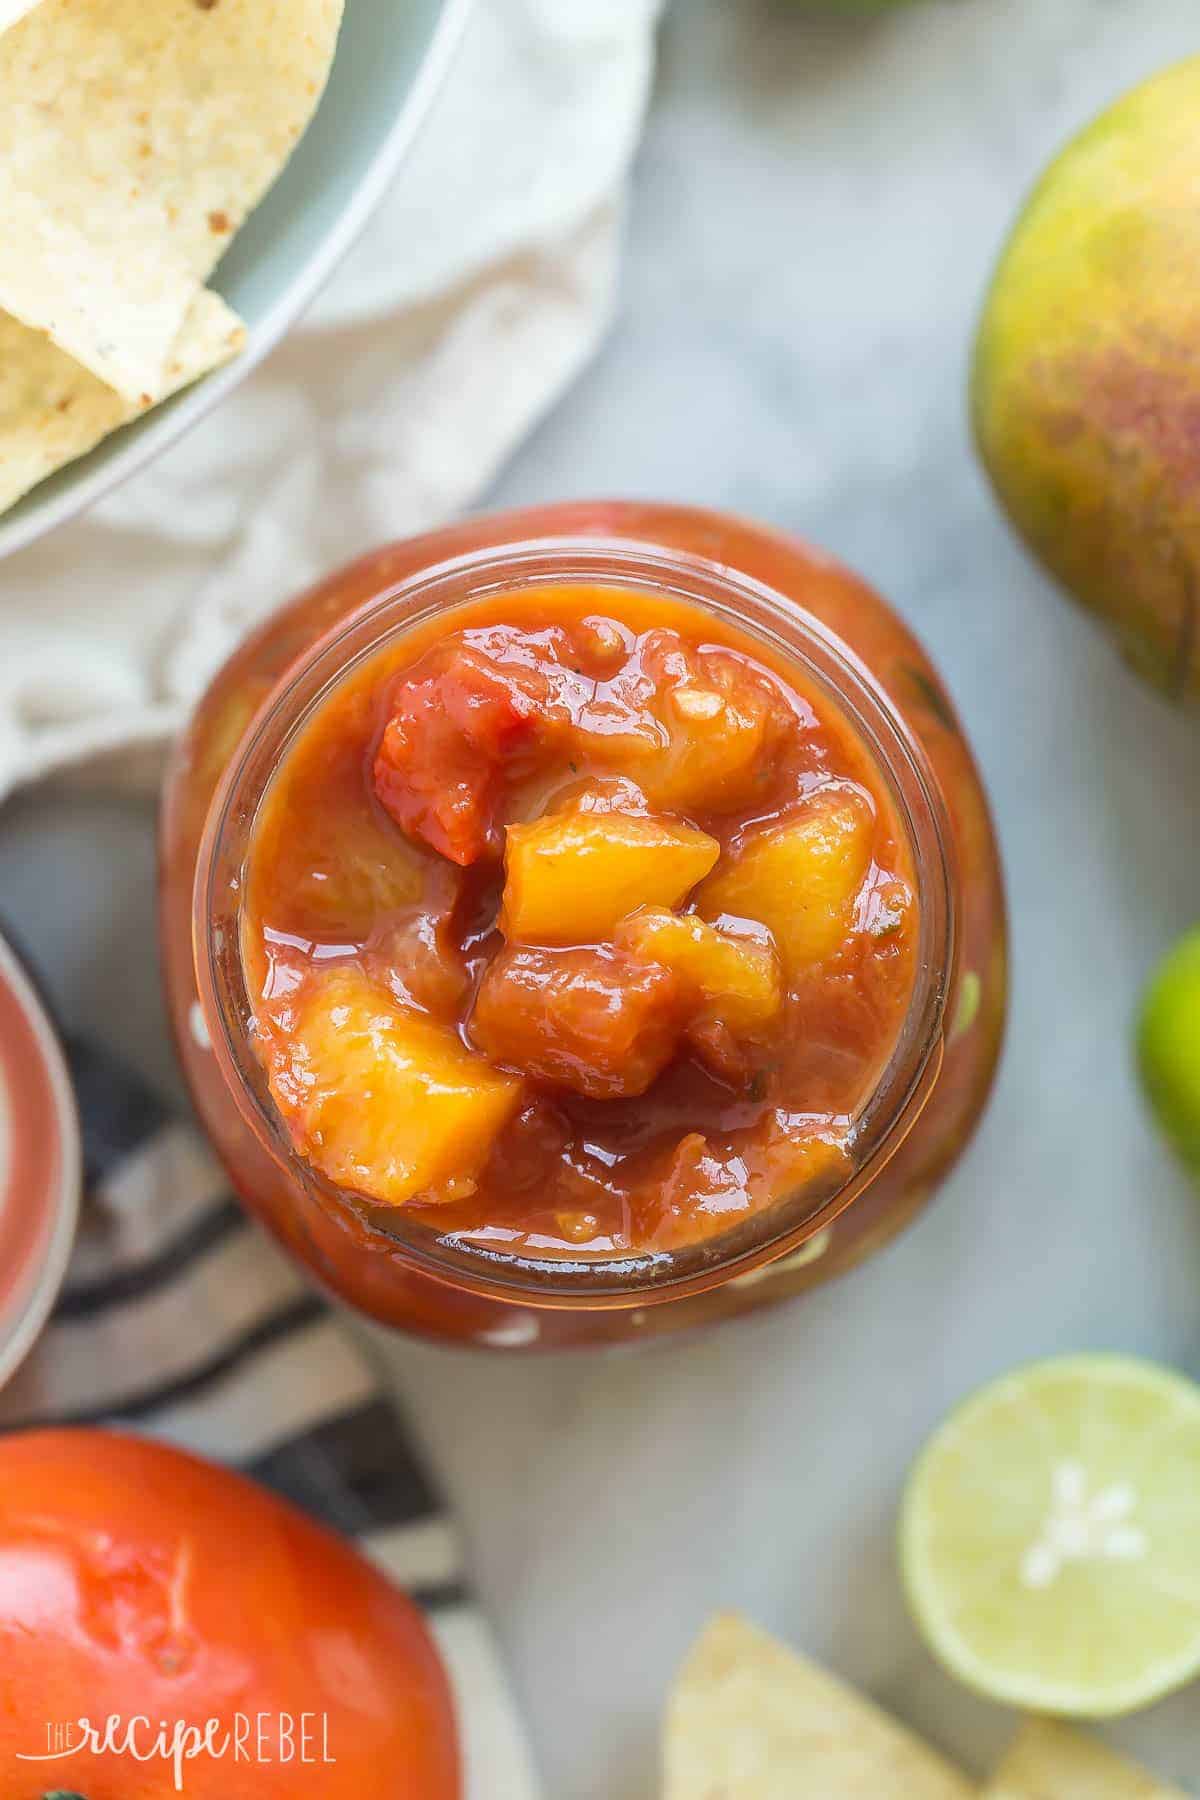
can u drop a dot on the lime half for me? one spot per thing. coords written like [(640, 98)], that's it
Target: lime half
[(1050, 1537), (1169, 1046)]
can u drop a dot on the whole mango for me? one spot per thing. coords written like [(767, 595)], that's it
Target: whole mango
[(1086, 381)]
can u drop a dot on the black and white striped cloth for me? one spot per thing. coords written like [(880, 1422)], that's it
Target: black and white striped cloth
[(181, 1319)]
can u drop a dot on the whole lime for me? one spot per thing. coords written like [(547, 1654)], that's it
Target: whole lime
[(1169, 1046), (1086, 380)]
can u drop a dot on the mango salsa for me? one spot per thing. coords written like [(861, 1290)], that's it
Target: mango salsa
[(801, 878), (384, 1101), (662, 939), (571, 877)]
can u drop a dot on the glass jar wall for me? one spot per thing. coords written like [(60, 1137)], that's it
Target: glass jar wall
[(844, 638)]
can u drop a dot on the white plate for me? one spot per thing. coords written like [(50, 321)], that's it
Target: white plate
[(390, 59), (40, 1163)]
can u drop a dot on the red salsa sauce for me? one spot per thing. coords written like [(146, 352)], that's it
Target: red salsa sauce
[(578, 924)]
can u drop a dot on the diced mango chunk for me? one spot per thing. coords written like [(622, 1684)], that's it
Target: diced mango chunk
[(714, 756), (735, 979), (571, 877), (799, 878), (591, 1018), (383, 1101), (719, 725), (708, 1185)]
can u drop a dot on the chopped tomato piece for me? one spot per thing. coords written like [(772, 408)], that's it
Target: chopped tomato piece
[(533, 1144), (728, 1056), (425, 966), (456, 740), (597, 1020)]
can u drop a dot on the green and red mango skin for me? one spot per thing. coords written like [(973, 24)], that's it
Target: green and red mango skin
[(1086, 381)]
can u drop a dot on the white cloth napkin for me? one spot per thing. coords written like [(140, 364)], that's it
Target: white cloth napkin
[(478, 291)]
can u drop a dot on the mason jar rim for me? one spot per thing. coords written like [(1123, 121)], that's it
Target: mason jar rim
[(756, 610)]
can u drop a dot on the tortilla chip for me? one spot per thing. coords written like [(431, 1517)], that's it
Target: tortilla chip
[(135, 136), (53, 410), (1050, 1762), (12, 10), (750, 1720)]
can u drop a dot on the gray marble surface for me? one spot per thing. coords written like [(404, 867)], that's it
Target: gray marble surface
[(814, 212)]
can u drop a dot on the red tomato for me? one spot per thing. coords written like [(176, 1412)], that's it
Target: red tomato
[(140, 1582), (452, 741), (593, 1018)]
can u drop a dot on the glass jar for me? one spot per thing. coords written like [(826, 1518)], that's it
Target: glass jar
[(843, 637)]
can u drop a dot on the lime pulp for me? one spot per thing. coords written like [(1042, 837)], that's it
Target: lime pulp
[(1050, 1537), (1169, 1046)]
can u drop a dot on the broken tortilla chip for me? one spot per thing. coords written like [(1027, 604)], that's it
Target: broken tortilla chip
[(135, 136), (53, 410), (748, 1719), (12, 10), (1048, 1761)]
